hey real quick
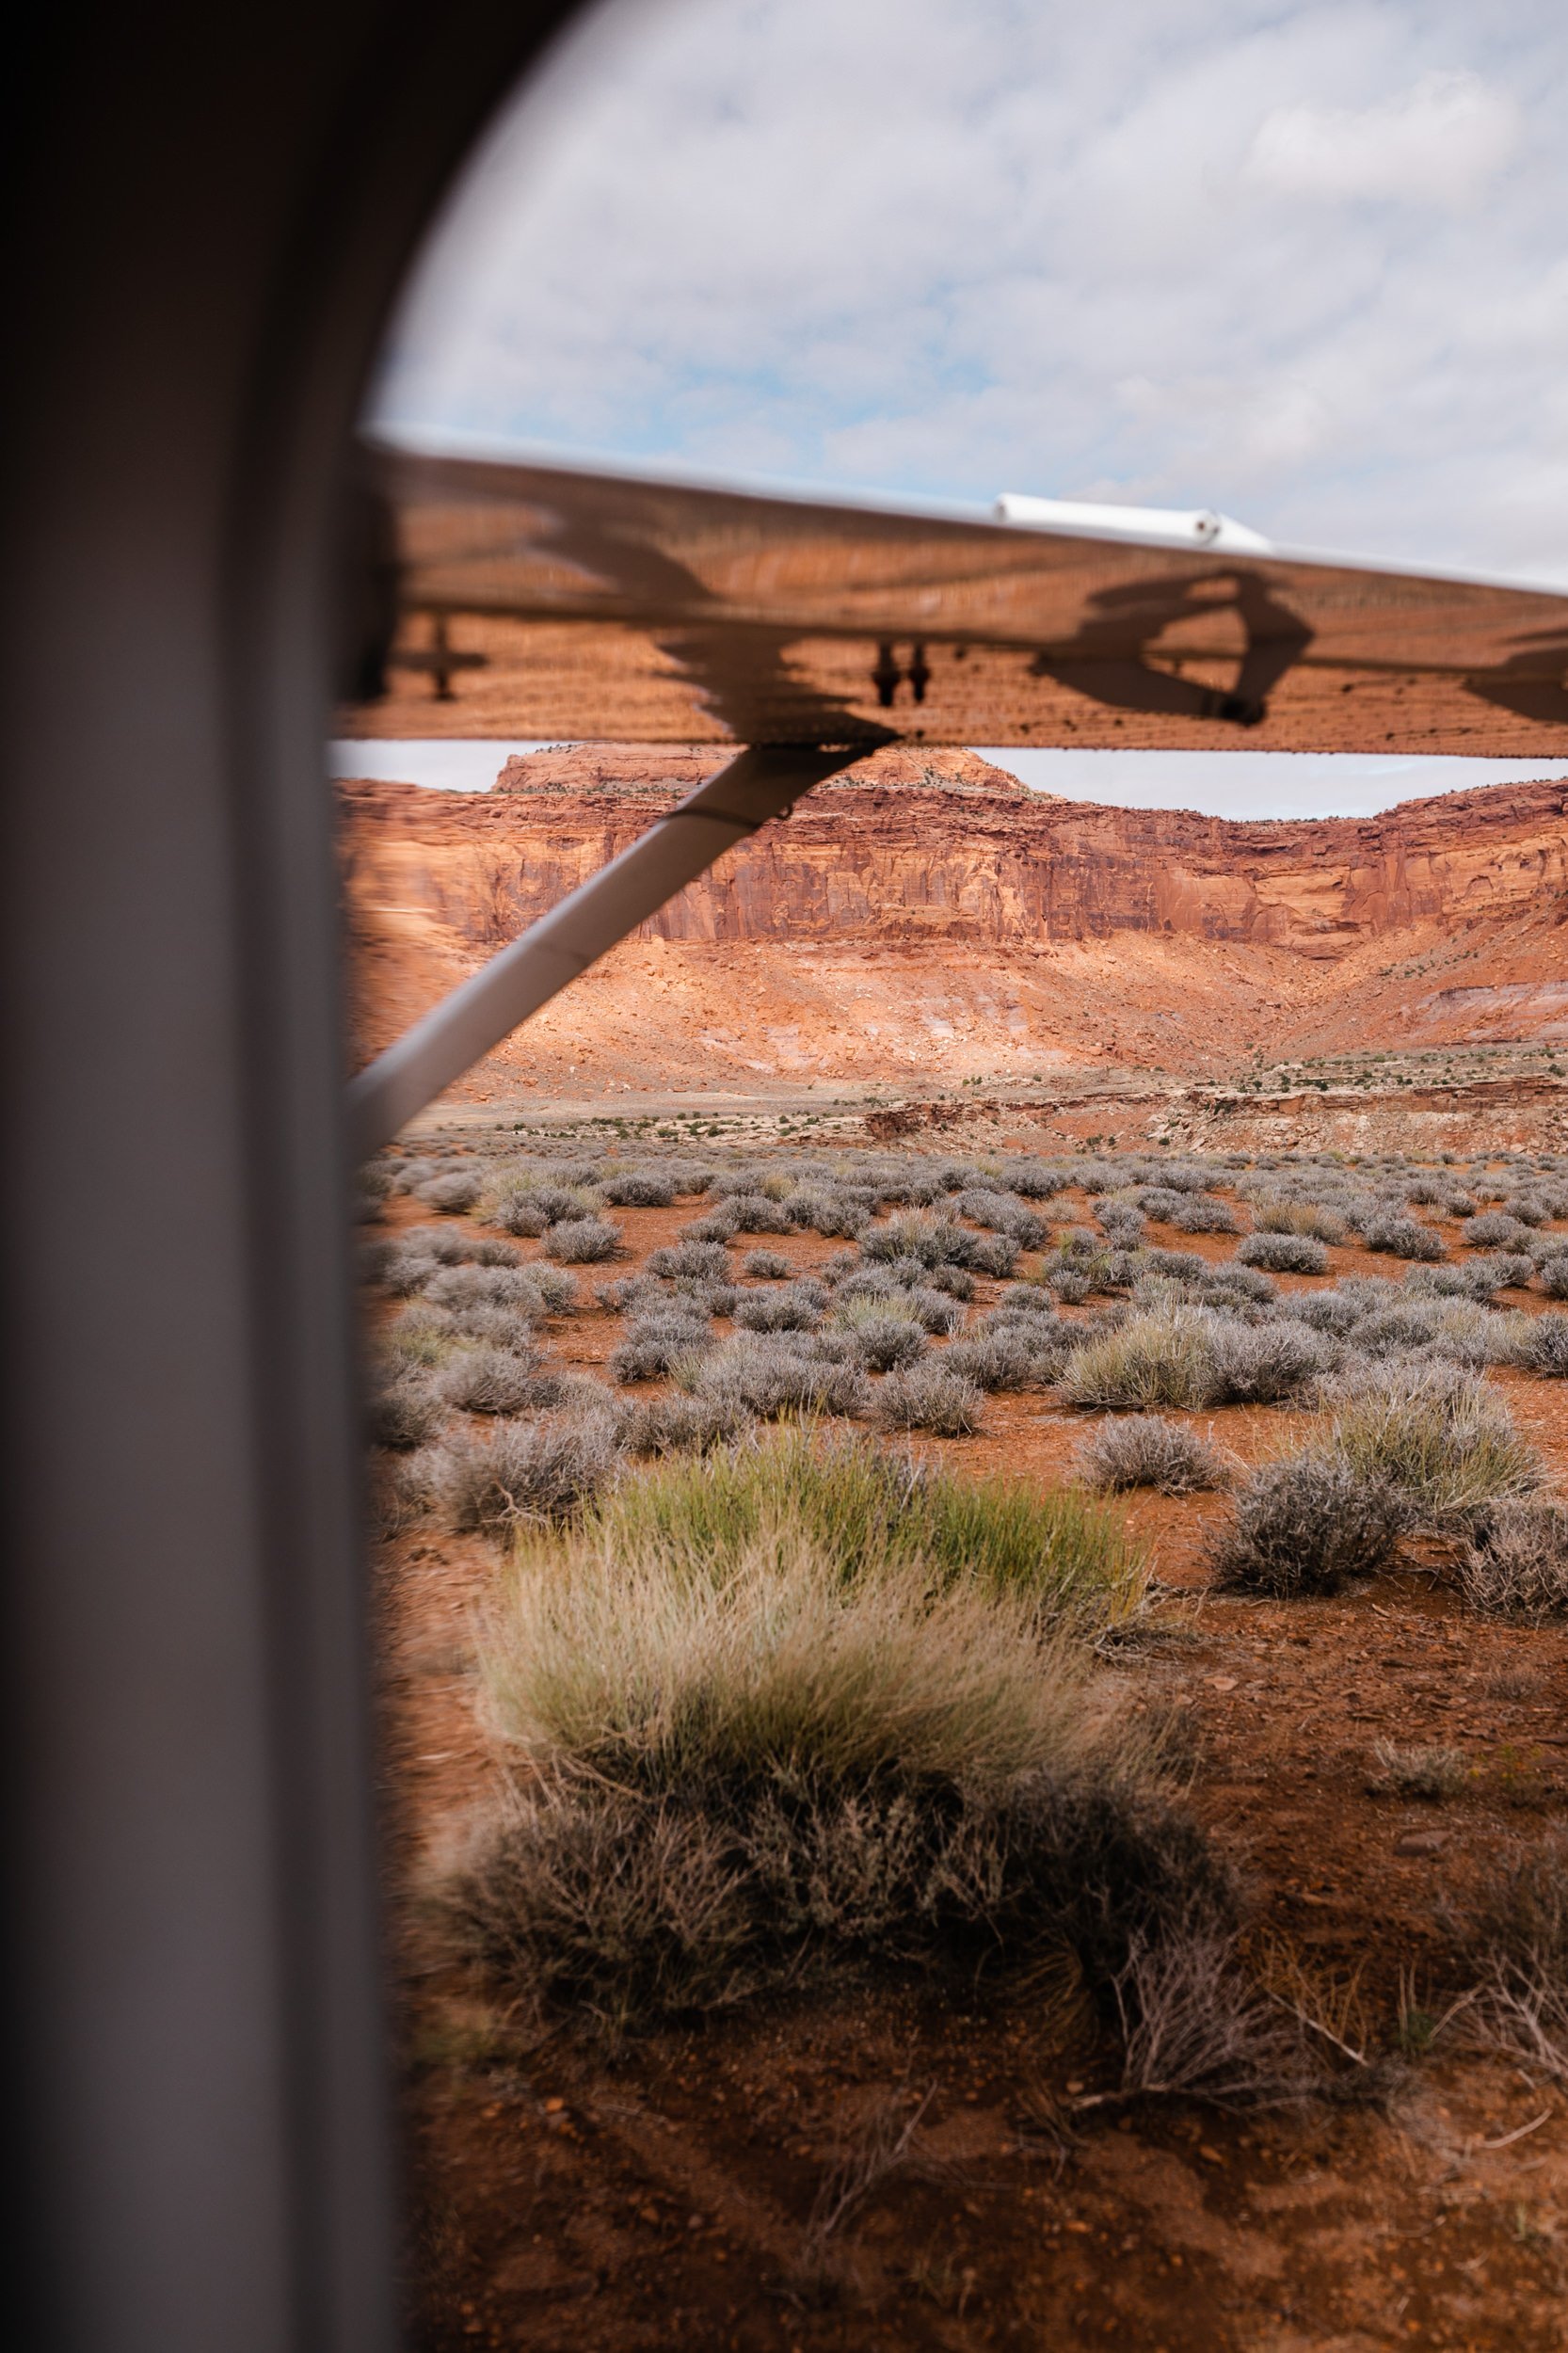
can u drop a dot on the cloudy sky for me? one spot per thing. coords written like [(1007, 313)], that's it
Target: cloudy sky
[(1304, 263)]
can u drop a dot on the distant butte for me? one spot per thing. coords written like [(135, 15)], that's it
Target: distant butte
[(925, 920)]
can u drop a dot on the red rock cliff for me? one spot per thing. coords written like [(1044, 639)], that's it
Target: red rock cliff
[(913, 847)]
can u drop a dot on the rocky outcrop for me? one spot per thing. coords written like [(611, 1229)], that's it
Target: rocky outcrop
[(925, 920), (913, 847)]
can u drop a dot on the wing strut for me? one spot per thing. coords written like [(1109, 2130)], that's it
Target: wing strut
[(464, 1027)]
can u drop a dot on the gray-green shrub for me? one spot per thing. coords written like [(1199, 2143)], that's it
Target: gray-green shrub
[(1203, 1213), (1305, 1525), (1403, 1237), (453, 1193), (773, 1373), (1542, 1346), (796, 1307), (681, 1425), (930, 1396), (639, 1189), (1145, 1451), (402, 1411), (486, 1381), (656, 1343), (1494, 1230), (583, 1241), (699, 1261), (519, 1472), (1284, 1254)]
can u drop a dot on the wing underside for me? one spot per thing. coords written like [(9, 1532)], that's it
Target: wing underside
[(540, 601)]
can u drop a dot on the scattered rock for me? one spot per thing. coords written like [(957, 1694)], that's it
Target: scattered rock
[(1422, 1842)]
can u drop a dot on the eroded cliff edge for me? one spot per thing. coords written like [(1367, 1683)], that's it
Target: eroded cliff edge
[(925, 910)]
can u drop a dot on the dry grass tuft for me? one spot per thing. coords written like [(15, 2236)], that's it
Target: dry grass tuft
[(1161, 1359), (1441, 1436), (795, 1710), (1188, 1355), (1431, 1772)]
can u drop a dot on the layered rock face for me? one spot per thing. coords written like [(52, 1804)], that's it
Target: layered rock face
[(926, 907), (909, 847)]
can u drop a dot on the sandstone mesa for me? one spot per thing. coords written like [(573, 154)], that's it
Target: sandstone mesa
[(925, 921)]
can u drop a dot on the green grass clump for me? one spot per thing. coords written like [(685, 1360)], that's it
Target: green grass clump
[(1067, 1555), (1164, 1358), (768, 1668), (787, 1713)]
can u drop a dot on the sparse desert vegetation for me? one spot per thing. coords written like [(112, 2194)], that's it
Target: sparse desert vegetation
[(788, 1710), (899, 1592)]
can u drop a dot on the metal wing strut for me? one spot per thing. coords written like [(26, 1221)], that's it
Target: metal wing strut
[(757, 786)]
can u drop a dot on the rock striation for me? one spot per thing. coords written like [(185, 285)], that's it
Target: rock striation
[(972, 924), (911, 847)]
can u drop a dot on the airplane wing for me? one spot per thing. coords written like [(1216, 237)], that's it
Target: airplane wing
[(538, 600), (795, 634)]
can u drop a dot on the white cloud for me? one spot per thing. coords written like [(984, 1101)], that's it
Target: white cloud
[(1437, 143), (950, 245)]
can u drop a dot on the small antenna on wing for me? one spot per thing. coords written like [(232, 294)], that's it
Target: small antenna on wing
[(1158, 526)]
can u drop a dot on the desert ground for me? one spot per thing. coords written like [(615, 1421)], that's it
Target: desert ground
[(954, 2151), (966, 1444)]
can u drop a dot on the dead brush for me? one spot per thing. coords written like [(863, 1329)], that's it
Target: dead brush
[(884, 2143), (1519, 1939), (1431, 1772), (1202, 2017), (1329, 2005), (1193, 2025), (399, 1495), (403, 1413)]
